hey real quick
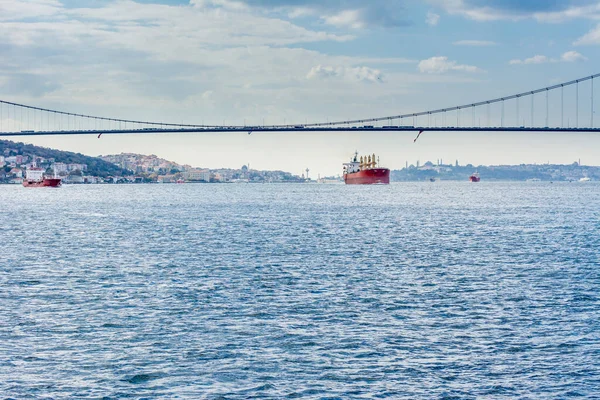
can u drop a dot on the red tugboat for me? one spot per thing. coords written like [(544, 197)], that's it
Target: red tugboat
[(475, 177), (365, 171), (34, 177)]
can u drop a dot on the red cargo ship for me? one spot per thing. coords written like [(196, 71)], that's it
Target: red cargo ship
[(365, 171), (34, 177), (475, 177)]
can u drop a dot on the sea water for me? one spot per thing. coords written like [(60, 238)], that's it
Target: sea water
[(237, 291)]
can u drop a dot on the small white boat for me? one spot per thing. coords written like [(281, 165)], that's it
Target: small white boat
[(585, 179)]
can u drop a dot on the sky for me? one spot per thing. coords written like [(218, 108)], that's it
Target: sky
[(294, 61)]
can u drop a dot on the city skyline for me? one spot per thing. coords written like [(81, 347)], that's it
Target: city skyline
[(18, 159), (274, 62)]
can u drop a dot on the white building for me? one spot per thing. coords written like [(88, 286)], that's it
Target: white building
[(197, 175), (17, 172), (90, 179), (74, 179), (60, 167)]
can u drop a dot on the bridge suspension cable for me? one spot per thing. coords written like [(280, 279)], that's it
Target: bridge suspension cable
[(80, 123), (95, 117), (457, 108)]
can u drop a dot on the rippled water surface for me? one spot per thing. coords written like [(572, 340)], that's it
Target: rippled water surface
[(425, 290)]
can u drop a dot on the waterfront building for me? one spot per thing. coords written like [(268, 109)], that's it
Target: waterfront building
[(18, 173), (197, 175)]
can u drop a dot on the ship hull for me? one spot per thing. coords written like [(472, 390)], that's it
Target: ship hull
[(374, 176), (46, 182), (474, 179)]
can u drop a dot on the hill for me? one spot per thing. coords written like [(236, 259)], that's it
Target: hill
[(95, 165), (522, 172)]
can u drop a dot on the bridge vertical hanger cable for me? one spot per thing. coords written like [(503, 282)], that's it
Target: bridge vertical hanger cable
[(518, 123), (562, 106), (502, 115), (592, 118), (577, 105), (547, 109), (532, 110)]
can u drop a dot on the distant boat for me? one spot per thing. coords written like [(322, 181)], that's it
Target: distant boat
[(585, 179), (475, 177), (35, 178), (432, 179), (533, 180)]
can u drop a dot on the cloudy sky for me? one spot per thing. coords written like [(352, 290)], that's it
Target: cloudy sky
[(296, 61)]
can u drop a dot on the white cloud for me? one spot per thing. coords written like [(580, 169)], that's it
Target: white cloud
[(572, 56), (590, 38), (476, 13), (194, 27), (587, 12), (537, 59), (227, 4), (356, 14), (354, 74), (432, 19), (474, 43), (439, 65), (347, 18), (515, 11), (299, 12), (15, 10), (569, 56)]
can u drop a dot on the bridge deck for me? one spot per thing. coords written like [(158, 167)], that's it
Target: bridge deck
[(253, 129)]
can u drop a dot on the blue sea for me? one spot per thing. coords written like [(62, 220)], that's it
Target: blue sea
[(444, 290)]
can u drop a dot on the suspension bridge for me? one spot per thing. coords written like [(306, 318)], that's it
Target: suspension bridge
[(564, 107)]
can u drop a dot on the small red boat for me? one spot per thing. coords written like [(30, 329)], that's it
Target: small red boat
[(365, 171), (475, 177), (34, 177)]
